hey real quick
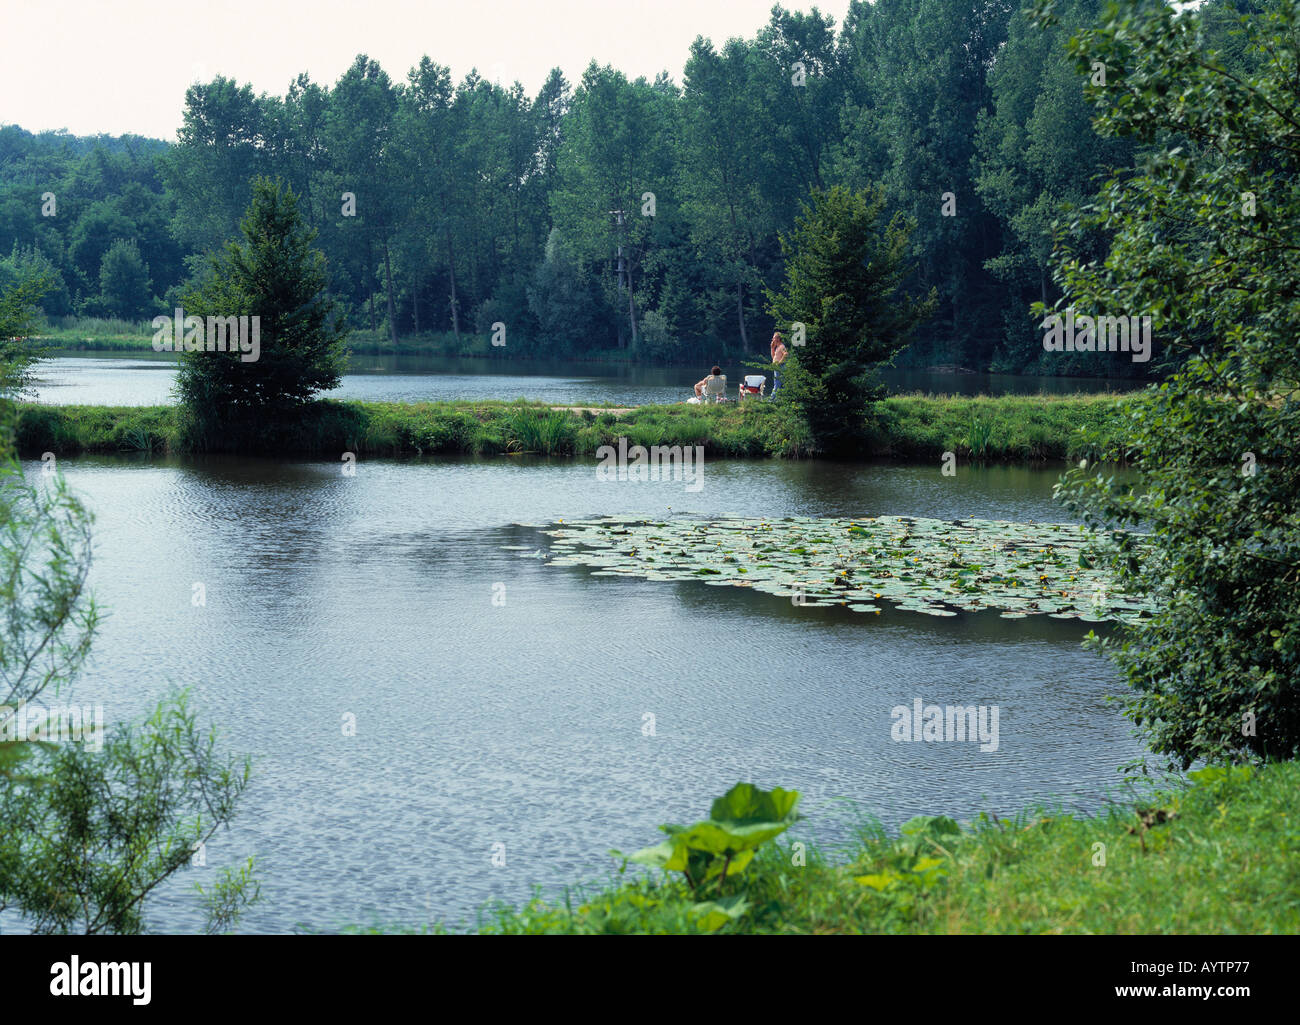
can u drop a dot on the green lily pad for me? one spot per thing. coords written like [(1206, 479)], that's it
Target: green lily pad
[(934, 567)]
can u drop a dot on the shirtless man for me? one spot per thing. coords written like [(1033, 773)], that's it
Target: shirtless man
[(779, 353)]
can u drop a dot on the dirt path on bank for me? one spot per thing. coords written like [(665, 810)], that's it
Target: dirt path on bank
[(616, 410)]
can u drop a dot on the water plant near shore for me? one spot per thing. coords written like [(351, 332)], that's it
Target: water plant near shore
[(721, 847), (1211, 854)]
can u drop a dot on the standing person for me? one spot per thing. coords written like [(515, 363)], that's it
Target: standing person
[(779, 353)]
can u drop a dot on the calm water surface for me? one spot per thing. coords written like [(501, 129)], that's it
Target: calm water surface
[(146, 379), (521, 724)]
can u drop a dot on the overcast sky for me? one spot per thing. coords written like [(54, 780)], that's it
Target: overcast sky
[(120, 66)]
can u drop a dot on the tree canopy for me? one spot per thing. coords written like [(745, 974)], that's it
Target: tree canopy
[(614, 213)]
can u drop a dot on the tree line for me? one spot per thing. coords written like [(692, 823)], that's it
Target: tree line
[(615, 215)]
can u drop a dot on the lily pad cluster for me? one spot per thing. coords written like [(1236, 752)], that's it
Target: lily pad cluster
[(935, 567)]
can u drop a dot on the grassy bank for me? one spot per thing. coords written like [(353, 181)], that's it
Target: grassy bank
[(914, 428), (106, 334), (1214, 858), (1007, 428), (100, 334)]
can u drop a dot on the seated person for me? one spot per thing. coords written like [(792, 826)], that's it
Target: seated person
[(712, 387)]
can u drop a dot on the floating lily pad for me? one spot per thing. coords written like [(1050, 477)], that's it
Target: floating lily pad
[(935, 567)]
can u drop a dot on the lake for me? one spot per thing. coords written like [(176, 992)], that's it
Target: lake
[(146, 379), (521, 723)]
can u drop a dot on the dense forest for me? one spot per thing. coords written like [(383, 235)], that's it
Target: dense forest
[(614, 217)]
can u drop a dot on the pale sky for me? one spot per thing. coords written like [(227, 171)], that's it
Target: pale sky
[(118, 66)]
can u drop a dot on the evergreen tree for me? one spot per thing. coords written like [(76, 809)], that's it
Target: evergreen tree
[(844, 277), (276, 275)]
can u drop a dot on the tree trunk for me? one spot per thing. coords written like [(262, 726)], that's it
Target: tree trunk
[(740, 284), (415, 305), (631, 307), (455, 301), (370, 285), (740, 312), (392, 312)]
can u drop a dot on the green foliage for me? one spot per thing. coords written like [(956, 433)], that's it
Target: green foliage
[(617, 146), (275, 274), (47, 616), (29, 263), (477, 202), (724, 844), (981, 433), (567, 303), (1038, 156), (1202, 240), (19, 313), (908, 871), (106, 334), (844, 276), (226, 900), (124, 286), (721, 847), (1213, 858), (540, 430), (90, 834), (86, 834)]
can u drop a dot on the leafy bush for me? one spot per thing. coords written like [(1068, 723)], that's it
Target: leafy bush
[(721, 847), (1215, 675)]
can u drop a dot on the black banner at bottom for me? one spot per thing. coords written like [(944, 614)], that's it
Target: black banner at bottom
[(150, 974)]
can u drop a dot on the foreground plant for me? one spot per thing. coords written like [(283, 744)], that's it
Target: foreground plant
[(721, 847), (92, 833), (48, 616), (1211, 858), (86, 835)]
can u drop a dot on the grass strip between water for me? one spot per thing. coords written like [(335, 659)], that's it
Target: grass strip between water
[(913, 428)]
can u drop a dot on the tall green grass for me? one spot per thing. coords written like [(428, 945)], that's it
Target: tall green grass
[(532, 429), (1217, 857), (97, 333), (981, 434), (1018, 429), (1005, 428)]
